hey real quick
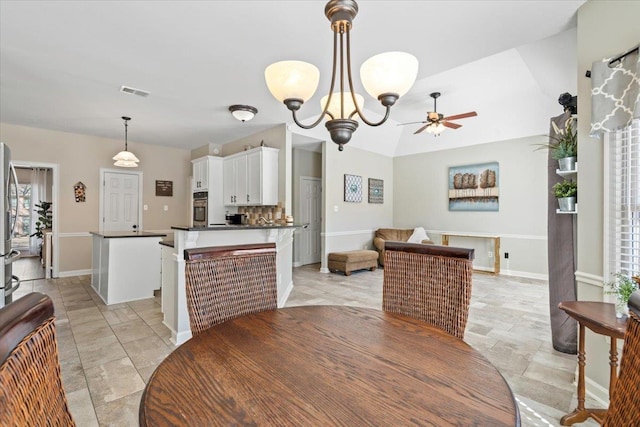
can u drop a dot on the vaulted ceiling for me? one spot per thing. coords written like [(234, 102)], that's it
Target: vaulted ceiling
[(62, 64)]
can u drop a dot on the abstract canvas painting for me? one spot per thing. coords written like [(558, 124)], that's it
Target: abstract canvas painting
[(474, 187)]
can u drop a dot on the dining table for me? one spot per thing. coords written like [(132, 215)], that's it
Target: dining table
[(326, 365)]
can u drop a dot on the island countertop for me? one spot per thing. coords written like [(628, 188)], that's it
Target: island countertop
[(235, 227), (123, 234)]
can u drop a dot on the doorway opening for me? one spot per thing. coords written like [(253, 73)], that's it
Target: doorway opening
[(35, 233)]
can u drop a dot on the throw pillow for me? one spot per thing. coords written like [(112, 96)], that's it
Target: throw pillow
[(418, 235)]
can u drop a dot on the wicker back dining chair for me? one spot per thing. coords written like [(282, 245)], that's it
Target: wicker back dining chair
[(225, 282), (31, 392), (430, 283), (624, 407)]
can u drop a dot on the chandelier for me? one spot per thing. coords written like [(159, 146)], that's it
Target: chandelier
[(126, 159), (386, 77)]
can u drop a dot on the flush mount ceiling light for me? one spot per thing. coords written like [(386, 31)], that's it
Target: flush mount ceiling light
[(386, 77), (126, 159), (243, 112)]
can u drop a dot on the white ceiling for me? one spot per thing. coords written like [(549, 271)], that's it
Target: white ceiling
[(62, 64)]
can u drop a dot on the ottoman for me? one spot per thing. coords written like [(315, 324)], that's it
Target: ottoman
[(353, 260)]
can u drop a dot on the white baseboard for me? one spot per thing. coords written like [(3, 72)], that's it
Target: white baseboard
[(297, 264), (597, 392), (324, 270), (179, 338), (524, 274), (71, 273)]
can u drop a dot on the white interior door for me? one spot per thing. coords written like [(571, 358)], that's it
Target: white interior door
[(121, 201), (311, 213)]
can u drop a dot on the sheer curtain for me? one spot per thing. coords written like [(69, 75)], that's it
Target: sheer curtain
[(39, 185)]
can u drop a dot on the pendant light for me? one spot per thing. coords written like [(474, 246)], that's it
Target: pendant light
[(386, 77), (126, 159)]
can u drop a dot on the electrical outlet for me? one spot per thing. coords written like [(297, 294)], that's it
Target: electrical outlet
[(490, 254), (506, 255)]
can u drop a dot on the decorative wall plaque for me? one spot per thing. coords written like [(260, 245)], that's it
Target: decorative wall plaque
[(164, 188), (376, 190), (352, 188)]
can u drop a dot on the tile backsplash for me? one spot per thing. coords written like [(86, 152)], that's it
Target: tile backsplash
[(273, 213)]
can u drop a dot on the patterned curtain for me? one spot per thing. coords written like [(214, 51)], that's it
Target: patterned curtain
[(615, 93)]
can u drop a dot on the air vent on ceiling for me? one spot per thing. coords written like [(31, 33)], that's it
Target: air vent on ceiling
[(134, 91)]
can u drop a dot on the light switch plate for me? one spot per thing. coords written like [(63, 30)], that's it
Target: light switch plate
[(166, 208)]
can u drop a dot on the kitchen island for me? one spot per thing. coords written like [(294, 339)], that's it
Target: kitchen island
[(125, 265), (174, 297)]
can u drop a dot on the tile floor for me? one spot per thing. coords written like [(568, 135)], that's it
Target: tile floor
[(108, 352), (28, 268)]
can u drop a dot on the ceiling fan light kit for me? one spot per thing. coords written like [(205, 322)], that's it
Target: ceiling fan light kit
[(126, 159), (386, 77), (436, 123), (243, 112)]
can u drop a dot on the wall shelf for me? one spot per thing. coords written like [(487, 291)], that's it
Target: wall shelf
[(568, 212), (568, 173)]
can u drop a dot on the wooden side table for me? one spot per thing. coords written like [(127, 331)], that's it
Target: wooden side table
[(600, 318)]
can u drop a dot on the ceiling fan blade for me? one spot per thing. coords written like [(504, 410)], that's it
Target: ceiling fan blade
[(462, 116), (451, 125), (421, 129), (411, 123)]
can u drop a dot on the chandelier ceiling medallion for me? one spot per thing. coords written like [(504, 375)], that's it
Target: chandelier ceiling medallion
[(126, 159), (386, 77)]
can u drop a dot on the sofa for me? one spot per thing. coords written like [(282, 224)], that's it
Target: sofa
[(396, 235)]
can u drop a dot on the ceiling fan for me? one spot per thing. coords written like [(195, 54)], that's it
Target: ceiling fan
[(436, 122)]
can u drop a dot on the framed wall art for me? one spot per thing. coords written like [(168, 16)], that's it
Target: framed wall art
[(474, 187), (376, 190), (352, 188)]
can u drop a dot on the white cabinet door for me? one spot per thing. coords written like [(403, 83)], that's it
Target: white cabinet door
[(200, 174), (254, 178), (251, 178), (216, 209), (229, 180)]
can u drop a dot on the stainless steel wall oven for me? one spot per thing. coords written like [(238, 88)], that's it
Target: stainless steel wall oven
[(200, 214)]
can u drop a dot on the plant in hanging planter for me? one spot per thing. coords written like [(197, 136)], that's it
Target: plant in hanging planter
[(564, 147), (566, 192), (622, 287)]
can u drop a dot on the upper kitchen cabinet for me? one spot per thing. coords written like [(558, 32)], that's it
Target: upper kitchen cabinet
[(251, 177), (200, 174)]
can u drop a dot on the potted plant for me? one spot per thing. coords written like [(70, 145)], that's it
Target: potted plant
[(622, 287), (564, 147), (566, 192), (44, 220)]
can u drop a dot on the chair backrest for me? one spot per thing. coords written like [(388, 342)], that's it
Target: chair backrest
[(429, 282), (225, 282), (624, 406), (31, 392)]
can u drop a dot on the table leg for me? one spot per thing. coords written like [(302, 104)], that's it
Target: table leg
[(581, 414), (613, 361)]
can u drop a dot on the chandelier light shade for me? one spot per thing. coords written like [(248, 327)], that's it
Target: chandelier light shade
[(292, 80), (243, 112), (386, 77), (336, 104), (126, 159)]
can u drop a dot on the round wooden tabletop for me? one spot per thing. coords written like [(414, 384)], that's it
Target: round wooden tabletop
[(326, 365)]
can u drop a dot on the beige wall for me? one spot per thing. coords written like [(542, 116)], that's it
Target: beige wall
[(421, 199), (353, 225), (605, 28), (79, 158)]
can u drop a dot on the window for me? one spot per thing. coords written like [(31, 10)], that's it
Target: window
[(623, 200)]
